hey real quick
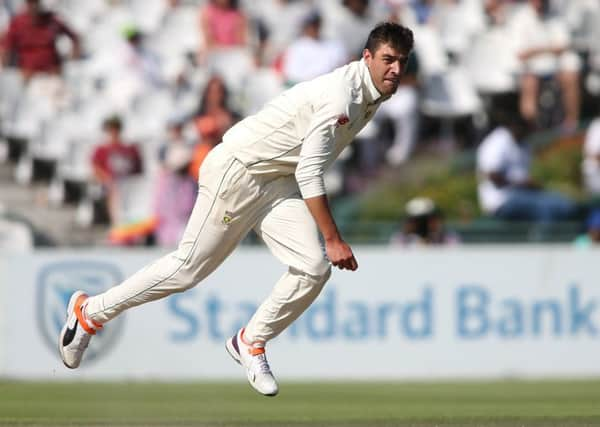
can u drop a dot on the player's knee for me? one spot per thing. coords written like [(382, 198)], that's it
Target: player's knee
[(318, 267), (318, 280), (327, 274), (311, 283), (186, 276)]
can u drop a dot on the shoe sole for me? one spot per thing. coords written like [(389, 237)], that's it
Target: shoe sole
[(70, 309), (235, 356), (231, 350)]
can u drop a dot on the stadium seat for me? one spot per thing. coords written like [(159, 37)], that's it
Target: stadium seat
[(26, 124), (106, 33), (4, 18), (147, 14), (81, 16), (231, 64), (449, 94), (53, 142), (148, 115), (178, 33), (491, 68), (15, 237), (259, 88), (135, 195), (433, 60), (11, 90)]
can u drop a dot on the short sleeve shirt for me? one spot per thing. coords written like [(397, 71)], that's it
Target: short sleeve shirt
[(500, 153)]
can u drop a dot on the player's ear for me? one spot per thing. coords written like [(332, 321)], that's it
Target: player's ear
[(367, 56)]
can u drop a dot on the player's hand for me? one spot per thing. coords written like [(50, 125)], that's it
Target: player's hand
[(340, 255)]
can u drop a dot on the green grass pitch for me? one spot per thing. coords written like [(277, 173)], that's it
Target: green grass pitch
[(505, 403)]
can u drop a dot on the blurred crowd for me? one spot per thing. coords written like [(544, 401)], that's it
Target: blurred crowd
[(122, 99)]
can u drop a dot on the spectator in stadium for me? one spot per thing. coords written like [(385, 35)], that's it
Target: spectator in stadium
[(223, 25), (591, 159), (175, 195), (544, 48), (311, 55), (140, 60), (112, 160), (423, 225), (213, 119), (31, 40), (506, 190), (226, 49)]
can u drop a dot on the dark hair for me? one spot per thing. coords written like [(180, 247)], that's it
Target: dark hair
[(113, 122), (512, 120), (233, 4), (396, 35), (312, 18), (214, 79)]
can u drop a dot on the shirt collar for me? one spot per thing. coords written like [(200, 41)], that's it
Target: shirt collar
[(372, 95)]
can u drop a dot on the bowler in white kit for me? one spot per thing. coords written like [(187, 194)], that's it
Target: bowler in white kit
[(266, 176)]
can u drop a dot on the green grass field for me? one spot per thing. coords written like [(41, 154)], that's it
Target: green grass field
[(510, 403)]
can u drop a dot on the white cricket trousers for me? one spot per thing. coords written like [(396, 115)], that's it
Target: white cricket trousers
[(230, 203)]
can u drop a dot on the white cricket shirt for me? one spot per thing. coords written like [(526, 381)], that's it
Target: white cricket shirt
[(590, 164), (305, 128), (499, 152)]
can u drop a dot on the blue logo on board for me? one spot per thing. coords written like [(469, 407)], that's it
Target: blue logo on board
[(56, 282)]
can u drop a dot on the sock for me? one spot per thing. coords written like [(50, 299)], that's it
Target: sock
[(89, 322), (255, 344)]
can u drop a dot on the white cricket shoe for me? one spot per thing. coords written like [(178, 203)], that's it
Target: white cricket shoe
[(254, 360), (76, 334)]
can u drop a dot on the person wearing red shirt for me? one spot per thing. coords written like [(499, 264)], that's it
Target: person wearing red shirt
[(31, 37), (113, 160)]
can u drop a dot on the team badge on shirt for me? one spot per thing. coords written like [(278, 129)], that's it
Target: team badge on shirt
[(227, 218), (342, 120)]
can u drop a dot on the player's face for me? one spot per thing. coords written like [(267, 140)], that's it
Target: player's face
[(386, 66)]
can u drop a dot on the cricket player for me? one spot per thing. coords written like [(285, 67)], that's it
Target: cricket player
[(266, 176)]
